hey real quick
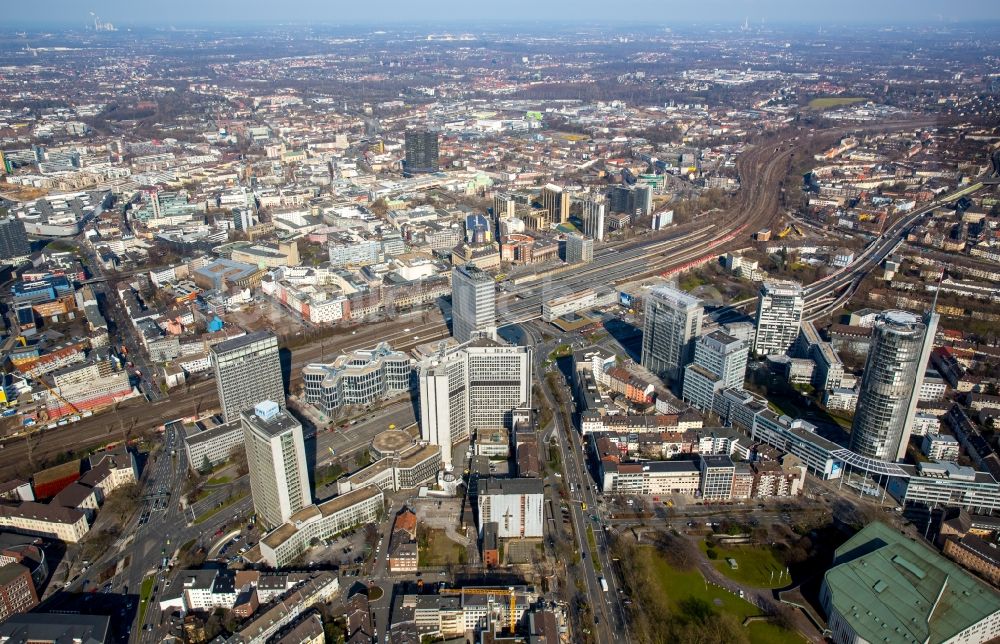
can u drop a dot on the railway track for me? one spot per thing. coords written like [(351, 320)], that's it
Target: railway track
[(761, 169)]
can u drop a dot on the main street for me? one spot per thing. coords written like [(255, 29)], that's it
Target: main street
[(607, 611)]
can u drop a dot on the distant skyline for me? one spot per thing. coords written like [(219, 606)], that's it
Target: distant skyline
[(395, 12)]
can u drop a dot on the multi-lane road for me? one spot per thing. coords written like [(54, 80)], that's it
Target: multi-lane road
[(581, 503), (829, 294)]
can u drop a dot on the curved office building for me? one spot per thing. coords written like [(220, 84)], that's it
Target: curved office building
[(890, 385)]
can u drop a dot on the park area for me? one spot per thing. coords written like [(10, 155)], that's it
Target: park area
[(751, 565), (828, 102), (688, 591), (672, 601)]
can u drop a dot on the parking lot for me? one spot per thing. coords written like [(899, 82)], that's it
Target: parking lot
[(231, 550), (344, 551)]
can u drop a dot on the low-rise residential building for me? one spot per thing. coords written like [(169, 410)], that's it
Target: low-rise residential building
[(925, 423), (317, 590), (17, 590), (940, 447), (841, 399), (975, 554), (308, 631), (52, 521)]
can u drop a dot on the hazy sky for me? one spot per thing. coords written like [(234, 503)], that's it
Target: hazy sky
[(167, 12)]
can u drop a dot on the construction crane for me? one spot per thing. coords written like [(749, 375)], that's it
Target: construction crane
[(57, 395), (492, 592)]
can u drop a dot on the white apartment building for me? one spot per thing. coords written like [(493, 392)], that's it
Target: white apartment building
[(276, 455), (720, 362), (473, 386), (779, 314)]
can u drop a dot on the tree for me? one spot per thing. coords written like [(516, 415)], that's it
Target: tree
[(122, 501), (678, 550), (238, 457), (206, 465)]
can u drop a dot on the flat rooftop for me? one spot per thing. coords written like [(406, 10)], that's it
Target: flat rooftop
[(242, 341)]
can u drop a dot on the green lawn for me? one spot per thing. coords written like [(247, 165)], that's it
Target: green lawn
[(436, 549), (767, 633), (219, 480), (144, 592), (562, 351), (592, 542), (691, 280), (834, 101), (678, 586), (211, 513), (755, 564)]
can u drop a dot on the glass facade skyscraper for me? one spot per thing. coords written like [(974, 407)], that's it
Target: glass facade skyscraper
[(890, 385)]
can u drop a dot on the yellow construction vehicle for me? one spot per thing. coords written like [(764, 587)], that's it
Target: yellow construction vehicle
[(784, 233)]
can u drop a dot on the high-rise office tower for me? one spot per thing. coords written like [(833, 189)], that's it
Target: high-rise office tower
[(477, 229), (620, 199), (473, 303), (243, 219), (635, 200), (720, 361), (579, 249), (779, 314), (421, 151), (592, 219), (247, 371), (276, 458), (890, 385), (555, 201), (14, 243), (672, 322), (504, 206), (642, 200), (474, 386)]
